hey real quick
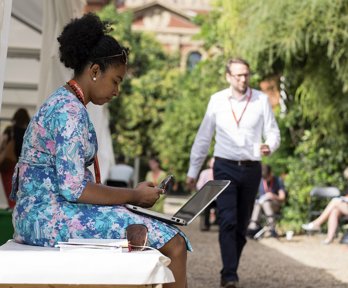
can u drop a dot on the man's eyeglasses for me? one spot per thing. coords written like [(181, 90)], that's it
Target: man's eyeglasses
[(239, 76), (123, 55)]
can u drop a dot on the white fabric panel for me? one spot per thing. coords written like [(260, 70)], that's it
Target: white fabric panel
[(21, 35), (56, 14), (100, 118), (29, 11), (40, 265), (22, 71), (5, 16)]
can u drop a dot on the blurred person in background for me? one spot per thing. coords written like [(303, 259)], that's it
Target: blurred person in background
[(156, 175), (271, 197), (337, 208), (121, 174), (10, 149)]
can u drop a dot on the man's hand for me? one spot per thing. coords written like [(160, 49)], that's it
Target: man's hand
[(265, 150), (191, 183)]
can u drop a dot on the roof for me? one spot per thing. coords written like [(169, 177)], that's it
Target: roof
[(160, 3), (174, 18)]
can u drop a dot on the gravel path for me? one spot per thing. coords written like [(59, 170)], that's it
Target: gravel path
[(303, 262)]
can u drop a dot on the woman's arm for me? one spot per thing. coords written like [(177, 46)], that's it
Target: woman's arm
[(144, 195), (281, 195)]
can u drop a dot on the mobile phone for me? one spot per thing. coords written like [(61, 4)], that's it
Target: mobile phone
[(165, 182)]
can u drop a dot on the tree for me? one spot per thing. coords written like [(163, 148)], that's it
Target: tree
[(138, 113), (305, 41), (185, 112)]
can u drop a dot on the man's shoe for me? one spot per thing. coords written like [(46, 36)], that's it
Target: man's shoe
[(229, 284)]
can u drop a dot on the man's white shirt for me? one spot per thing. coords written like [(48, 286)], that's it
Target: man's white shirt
[(232, 141)]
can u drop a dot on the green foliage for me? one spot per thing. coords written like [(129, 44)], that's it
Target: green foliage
[(306, 42), (137, 113), (185, 112), (161, 107), (143, 112)]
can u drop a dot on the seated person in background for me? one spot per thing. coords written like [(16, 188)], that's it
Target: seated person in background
[(337, 207), (121, 174), (10, 149), (269, 200), (156, 175)]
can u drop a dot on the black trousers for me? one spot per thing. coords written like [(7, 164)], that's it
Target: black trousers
[(234, 207)]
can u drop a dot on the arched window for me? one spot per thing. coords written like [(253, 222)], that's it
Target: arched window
[(192, 59)]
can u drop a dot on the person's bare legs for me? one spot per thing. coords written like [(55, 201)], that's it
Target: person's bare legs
[(267, 207), (324, 216), (255, 216), (176, 250), (332, 224)]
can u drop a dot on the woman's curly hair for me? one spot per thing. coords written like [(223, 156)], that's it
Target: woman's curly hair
[(84, 41)]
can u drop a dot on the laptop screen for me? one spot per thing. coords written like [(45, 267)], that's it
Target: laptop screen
[(199, 201)]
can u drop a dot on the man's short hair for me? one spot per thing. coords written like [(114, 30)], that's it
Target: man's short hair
[(234, 61)]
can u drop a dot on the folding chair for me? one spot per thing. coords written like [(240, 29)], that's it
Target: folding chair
[(319, 198), (266, 228)]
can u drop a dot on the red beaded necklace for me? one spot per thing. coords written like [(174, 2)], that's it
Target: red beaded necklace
[(79, 94)]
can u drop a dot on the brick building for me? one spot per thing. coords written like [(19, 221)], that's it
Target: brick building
[(171, 21)]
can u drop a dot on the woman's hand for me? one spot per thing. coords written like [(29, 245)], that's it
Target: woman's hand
[(146, 194)]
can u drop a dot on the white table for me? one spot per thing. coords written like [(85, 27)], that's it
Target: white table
[(32, 266)]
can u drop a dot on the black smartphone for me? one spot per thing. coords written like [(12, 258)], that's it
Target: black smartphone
[(165, 182)]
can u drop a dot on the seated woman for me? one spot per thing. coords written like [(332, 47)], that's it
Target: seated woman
[(332, 213), (56, 195)]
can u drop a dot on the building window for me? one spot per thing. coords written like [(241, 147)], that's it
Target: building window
[(192, 59)]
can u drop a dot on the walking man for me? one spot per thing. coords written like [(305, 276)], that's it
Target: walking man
[(245, 129)]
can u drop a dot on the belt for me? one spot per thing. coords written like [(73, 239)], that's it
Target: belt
[(239, 162)]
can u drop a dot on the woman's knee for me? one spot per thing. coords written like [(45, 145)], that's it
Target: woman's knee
[(176, 246), (335, 201), (335, 212)]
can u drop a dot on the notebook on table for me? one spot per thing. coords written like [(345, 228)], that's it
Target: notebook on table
[(192, 208)]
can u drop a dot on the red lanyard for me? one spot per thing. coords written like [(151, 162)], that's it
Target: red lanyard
[(266, 187), (79, 94), (241, 115)]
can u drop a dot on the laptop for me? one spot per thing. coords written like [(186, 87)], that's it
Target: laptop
[(192, 208)]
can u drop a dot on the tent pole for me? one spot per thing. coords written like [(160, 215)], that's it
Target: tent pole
[(5, 18)]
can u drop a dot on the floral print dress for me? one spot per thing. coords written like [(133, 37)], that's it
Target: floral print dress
[(59, 145)]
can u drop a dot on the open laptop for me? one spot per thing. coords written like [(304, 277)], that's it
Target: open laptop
[(192, 208)]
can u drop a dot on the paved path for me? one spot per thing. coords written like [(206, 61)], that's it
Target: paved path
[(304, 262)]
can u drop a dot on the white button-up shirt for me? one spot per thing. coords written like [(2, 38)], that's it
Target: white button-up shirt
[(232, 141)]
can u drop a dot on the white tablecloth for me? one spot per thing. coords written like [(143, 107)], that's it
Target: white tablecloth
[(21, 264)]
